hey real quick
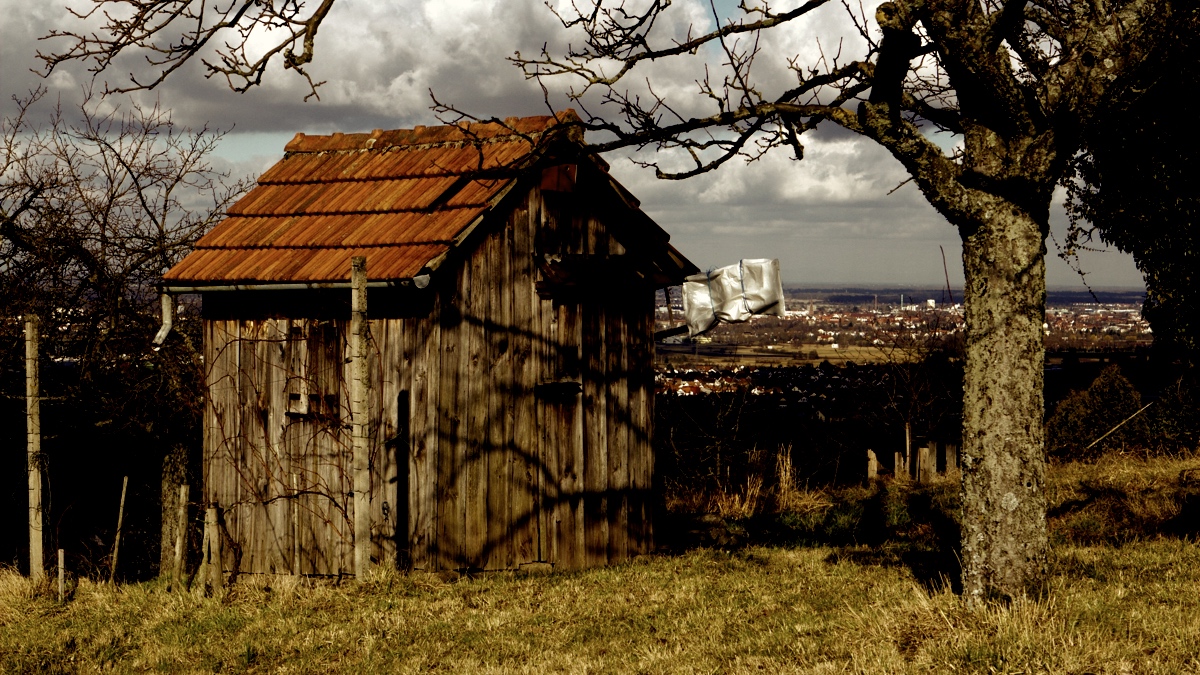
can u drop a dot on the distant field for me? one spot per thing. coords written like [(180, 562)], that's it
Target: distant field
[(1121, 599), (1055, 296), (776, 355)]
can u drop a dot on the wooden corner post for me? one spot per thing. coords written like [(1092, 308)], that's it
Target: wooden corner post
[(358, 416), (33, 457)]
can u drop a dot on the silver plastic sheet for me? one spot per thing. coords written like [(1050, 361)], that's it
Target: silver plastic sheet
[(733, 293)]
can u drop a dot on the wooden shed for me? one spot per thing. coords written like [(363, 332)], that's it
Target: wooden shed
[(509, 381)]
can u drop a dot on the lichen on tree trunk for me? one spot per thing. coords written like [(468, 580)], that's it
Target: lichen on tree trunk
[(1004, 467)]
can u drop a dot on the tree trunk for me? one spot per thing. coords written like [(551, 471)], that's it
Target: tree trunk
[(1003, 457)]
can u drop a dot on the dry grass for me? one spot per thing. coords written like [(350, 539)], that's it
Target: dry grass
[(741, 504), (1129, 608), (730, 355), (1132, 609), (757, 496), (1118, 499)]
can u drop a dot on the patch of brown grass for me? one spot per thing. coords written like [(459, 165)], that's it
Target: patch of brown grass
[(1131, 609), (1128, 608), (1121, 498)]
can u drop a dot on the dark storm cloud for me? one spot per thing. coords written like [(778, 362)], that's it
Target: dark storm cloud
[(828, 218)]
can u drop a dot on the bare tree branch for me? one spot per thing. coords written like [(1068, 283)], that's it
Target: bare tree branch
[(167, 34)]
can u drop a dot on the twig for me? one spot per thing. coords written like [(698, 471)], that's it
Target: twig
[(112, 574), (904, 182), (1139, 412)]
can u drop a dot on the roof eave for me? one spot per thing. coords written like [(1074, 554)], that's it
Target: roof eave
[(419, 281)]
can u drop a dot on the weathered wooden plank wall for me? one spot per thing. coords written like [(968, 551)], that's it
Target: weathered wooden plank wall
[(525, 472), (482, 454)]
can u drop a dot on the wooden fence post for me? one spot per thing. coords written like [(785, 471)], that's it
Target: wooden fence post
[(33, 455), (872, 466), (358, 416), (112, 573), (926, 466), (62, 577), (180, 537), (214, 576), (952, 461), (909, 469), (900, 472)]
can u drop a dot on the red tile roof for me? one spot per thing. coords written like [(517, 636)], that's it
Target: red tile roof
[(402, 198)]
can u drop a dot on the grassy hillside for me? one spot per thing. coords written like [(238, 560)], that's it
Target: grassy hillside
[(1121, 599)]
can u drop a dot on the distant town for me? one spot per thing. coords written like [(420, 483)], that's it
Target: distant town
[(871, 325)]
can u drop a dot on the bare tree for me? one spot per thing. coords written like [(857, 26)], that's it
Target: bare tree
[(94, 208), (1013, 80)]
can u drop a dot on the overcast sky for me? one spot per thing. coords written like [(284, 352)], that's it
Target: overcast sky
[(829, 219)]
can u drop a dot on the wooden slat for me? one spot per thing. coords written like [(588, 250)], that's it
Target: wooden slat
[(650, 506), (574, 460), (240, 513), (254, 469), (597, 394), (270, 398), (298, 441), (618, 437), (426, 448), (384, 377), (282, 512), (341, 477), (245, 500), (275, 382), (222, 406), (640, 404), (232, 485), (475, 369), (252, 509), (499, 390), (211, 430), (317, 446), (546, 488), (403, 361), (241, 506), (229, 489), (213, 405), (380, 424), (560, 455), (523, 470), (223, 393), (551, 489), (451, 441), (328, 351), (596, 481)]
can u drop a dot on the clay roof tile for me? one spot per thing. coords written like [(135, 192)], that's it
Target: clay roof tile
[(401, 197), (395, 195)]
